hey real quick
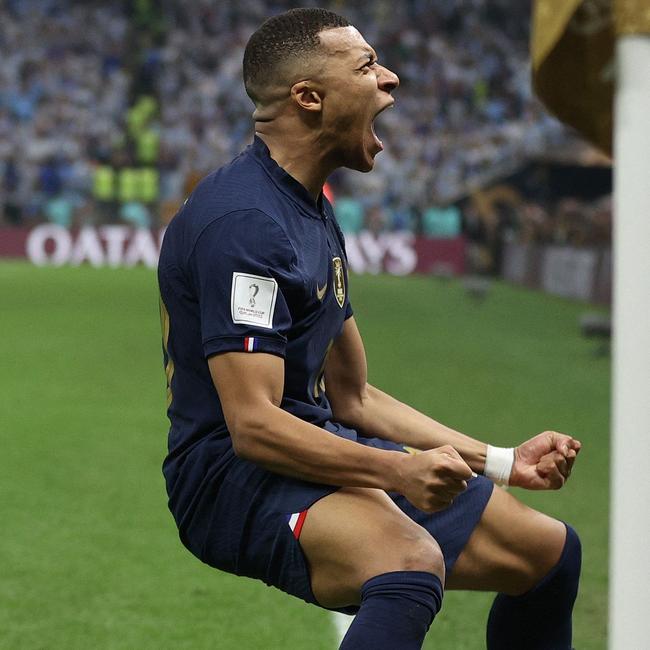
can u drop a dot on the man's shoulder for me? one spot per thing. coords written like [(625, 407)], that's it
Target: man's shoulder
[(239, 192), (240, 185)]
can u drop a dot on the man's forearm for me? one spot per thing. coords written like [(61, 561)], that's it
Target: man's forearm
[(382, 416), (290, 446)]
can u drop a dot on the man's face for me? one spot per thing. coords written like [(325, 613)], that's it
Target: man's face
[(356, 89)]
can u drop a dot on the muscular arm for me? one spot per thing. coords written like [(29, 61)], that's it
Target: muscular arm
[(545, 461), (250, 389), (376, 414)]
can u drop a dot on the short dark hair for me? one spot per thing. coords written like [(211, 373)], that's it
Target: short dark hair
[(282, 37)]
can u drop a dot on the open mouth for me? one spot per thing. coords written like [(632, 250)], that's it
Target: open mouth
[(378, 142)]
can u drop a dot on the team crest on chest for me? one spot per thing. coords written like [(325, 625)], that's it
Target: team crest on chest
[(339, 280)]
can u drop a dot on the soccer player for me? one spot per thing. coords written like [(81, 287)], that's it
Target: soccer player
[(284, 463)]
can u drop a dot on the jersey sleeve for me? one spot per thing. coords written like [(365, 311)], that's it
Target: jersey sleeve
[(244, 270)]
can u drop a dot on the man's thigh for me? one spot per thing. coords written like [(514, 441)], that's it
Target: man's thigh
[(453, 526), (510, 550)]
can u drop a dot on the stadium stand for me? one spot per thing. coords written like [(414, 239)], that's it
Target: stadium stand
[(111, 112)]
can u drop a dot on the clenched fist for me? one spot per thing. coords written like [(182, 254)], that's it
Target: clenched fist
[(432, 479), (545, 461)]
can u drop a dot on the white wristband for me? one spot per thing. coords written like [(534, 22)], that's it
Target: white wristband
[(498, 464)]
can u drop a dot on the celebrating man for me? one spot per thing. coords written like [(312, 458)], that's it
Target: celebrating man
[(284, 463)]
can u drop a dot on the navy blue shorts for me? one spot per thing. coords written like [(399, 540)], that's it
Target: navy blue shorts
[(246, 520)]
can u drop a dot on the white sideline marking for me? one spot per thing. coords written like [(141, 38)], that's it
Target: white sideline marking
[(341, 623)]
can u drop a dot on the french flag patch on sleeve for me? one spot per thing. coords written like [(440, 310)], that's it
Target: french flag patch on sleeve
[(296, 521), (250, 344)]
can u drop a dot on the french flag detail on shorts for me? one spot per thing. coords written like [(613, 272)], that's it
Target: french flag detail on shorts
[(250, 344), (296, 521)]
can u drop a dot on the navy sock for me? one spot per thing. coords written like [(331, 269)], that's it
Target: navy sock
[(396, 611), (541, 618)]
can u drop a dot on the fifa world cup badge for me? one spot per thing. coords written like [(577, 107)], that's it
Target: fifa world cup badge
[(339, 281)]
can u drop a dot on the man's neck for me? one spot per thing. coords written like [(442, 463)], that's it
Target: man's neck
[(298, 154)]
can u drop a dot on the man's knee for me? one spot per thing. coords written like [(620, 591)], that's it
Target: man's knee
[(411, 551), (565, 570), (357, 534), (424, 554), (521, 621), (403, 551)]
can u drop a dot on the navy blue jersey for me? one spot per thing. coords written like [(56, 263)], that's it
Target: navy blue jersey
[(251, 263)]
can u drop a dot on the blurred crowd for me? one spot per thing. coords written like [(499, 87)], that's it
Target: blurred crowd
[(112, 111), (509, 217)]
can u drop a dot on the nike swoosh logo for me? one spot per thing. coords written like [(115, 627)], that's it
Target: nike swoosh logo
[(320, 293)]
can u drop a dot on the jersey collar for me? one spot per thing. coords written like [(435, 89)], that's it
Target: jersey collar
[(285, 182)]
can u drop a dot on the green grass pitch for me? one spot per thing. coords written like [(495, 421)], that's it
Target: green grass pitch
[(90, 556)]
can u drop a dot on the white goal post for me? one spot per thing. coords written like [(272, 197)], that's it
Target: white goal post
[(629, 600)]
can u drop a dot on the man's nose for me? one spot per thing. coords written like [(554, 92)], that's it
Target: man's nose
[(387, 79)]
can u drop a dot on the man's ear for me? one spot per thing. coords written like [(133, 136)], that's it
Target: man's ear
[(307, 96)]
